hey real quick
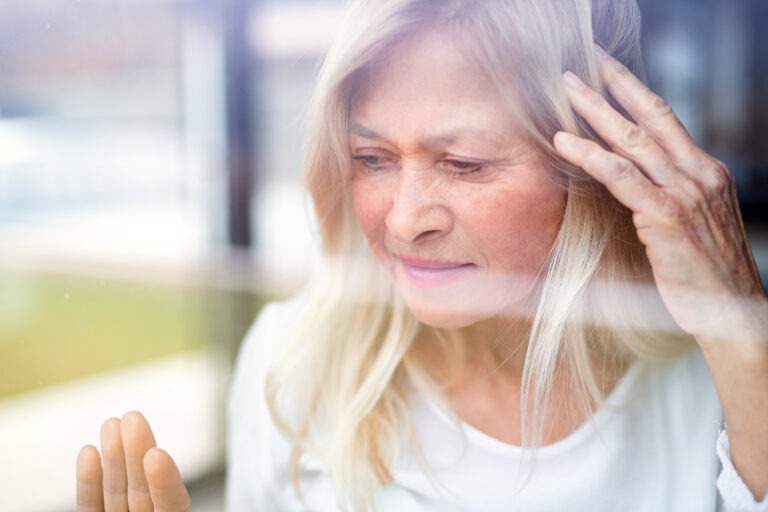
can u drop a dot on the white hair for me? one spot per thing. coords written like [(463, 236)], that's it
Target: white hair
[(345, 367)]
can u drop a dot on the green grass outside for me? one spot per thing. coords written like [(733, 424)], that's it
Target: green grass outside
[(55, 328)]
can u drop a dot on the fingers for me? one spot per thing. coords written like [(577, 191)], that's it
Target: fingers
[(647, 109), (115, 474), (625, 137), (165, 483), (89, 480), (137, 439), (618, 174), (654, 150), (136, 475)]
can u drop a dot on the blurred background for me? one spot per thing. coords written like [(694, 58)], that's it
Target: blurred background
[(150, 202)]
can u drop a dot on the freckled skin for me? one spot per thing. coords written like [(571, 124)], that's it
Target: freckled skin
[(686, 213), (425, 107)]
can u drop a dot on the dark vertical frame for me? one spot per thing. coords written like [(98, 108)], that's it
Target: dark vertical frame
[(239, 123)]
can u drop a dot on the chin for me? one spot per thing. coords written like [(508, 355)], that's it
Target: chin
[(446, 316), (458, 308)]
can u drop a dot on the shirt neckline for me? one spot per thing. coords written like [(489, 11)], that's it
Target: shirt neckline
[(588, 428)]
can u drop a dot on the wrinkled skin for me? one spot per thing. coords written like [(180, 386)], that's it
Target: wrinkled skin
[(686, 214)]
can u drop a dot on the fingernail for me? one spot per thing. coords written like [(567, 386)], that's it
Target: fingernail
[(600, 52), (572, 81)]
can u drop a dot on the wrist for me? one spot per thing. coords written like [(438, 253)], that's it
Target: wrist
[(741, 333)]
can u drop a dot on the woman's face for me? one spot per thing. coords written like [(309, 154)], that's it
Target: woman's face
[(451, 197)]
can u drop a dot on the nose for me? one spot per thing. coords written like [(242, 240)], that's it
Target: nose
[(419, 209)]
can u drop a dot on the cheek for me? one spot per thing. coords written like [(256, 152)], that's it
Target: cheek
[(371, 210), (519, 233)]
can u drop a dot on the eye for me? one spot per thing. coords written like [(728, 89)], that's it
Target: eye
[(372, 164), (460, 167)]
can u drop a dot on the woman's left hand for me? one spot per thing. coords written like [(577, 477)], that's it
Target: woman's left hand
[(683, 202), (686, 214)]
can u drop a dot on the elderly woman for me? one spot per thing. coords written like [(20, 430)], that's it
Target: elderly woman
[(536, 295)]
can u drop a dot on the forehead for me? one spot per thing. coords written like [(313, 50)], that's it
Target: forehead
[(428, 83)]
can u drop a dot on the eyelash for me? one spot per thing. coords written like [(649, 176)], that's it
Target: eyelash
[(459, 168), (462, 167), (369, 162)]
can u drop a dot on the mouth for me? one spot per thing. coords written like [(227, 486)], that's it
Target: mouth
[(425, 273)]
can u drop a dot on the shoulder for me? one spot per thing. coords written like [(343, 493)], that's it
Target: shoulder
[(268, 330), (684, 401), (265, 336), (675, 400), (261, 341), (686, 376), (256, 451)]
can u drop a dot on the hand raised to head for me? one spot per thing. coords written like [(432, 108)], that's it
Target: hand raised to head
[(135, 475), (683, 202)]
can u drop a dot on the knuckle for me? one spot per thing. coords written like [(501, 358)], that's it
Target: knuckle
[(674, 210), (656, 110), (713, 178), (723, 181), (617, 71), (660, 107), (634, 136), (593, 98), (117, 489), (697, 196), (621, 168)]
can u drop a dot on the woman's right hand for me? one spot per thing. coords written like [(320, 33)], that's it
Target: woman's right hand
[(135, 475)]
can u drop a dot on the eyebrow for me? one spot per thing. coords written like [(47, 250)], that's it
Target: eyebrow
[(445, 138)]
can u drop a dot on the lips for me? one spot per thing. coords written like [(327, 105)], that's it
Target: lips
[(425, 273)]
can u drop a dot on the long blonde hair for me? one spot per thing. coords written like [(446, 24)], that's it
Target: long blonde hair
[(338, 387)]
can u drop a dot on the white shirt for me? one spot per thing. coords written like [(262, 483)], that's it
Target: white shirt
[(654, 445)]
